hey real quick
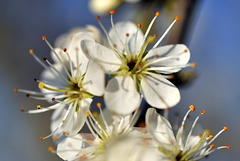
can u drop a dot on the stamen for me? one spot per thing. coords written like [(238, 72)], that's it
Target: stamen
[(165, 33), (22, 109), (42, 138), (15, 90), (38, 107)]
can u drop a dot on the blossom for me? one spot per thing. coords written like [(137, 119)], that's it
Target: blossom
[(136, 71), (185, 145), (110, 140), (103, 6), (69, 84)]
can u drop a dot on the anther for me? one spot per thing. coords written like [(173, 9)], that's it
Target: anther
[(55, 138), (192, 108), (64, 49), (42, 138), (31, 51), (185, 50), (127, 34), (210, 136), (200, 135), (50, 149), (63, 121), (194, 65), (98, 18), (139, 25), (88, 113), (65, 133), (112, 12), (44, 58), (227, 147), (38, 107), (44, 38), (41, 85), (27, 95), (15, 90), (225, 128), (155, 36), (99, 105), (35, 79), (203, 112), (53, 99), (171, 76), (22, 109), (177, 18), (157, 14), (212, 146)]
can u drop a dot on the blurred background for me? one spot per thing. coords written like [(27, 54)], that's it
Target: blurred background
[(209, 28)]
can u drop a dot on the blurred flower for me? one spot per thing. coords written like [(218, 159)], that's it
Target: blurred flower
[(110, 139), (103, 6), (185, 146), (70, 83), (134, 69)]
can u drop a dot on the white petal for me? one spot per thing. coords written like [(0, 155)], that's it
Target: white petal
[(70, 148), (121, 95), (106, 57), (160, 129), (94, 79), (123, 28), (75, 48), (159, 92), (171, 55)]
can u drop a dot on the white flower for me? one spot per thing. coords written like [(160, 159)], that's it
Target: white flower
[(110, 140), (103, 6), (134, 69), (69, 83), (186, 146)]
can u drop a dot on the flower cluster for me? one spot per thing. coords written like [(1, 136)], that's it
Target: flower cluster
[(77, 75)]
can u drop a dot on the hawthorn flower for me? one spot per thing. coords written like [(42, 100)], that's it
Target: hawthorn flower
[(185, 146), (110, 140), (69, 84), (136, 71)]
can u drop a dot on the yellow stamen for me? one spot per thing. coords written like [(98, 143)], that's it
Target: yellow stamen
[(99, 105), (38, 107)]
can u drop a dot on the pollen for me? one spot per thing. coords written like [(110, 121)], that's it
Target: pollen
[(50, 149), (227, 147), (112, 12), (22, 109), (200, 135), (210, 136), (38, 107), (44, 38), (41, 85), (31, 51), (212, 146), (194, 65), (191, 107), (157, 14), (177, 18), (139, 25), (225, 128), (203, 112), (42, 138), (99, 105), (88, 113), (15, 90)]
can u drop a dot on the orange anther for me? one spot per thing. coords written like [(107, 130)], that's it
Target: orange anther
[(157, 14), (112, 12), (63, 121), (42, 138), (210, 136), (139, 25), (65, 133), (225, 128), (212, 146), (98, 18), (44, 38), (31, 51), (15, 90), (194, 65), (55, 138), (191, 107), (99, 105), (127, 34), (22, 109), (38, 107), (185, 50), (50, 149), (155, 36), (227, 147), (203, 112), (88, 114), (177, 18), (200, 135)]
